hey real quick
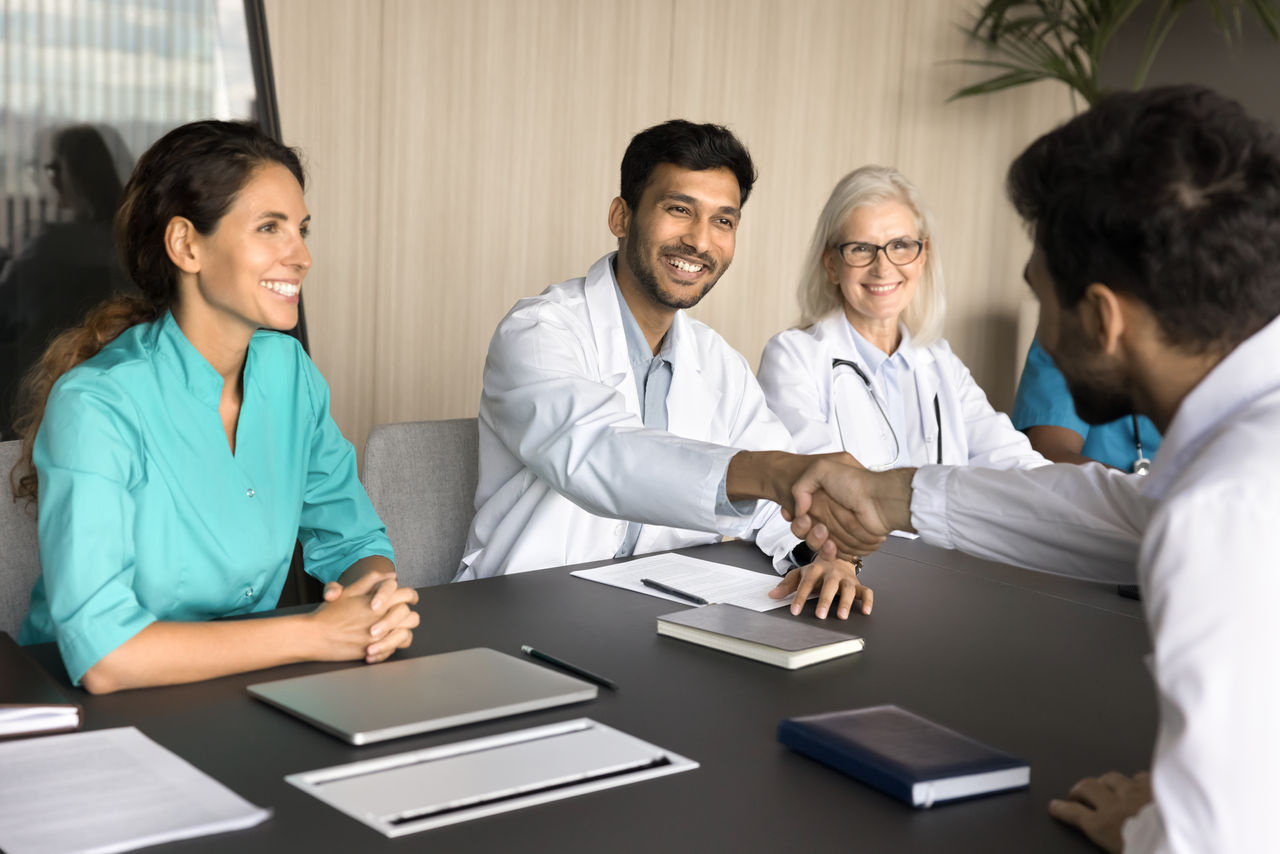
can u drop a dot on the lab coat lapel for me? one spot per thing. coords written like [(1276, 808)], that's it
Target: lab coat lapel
[(693, 400), (927, 387), (606, 326)]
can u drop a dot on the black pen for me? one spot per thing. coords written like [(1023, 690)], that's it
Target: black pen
[(673, 591), (571, 668)]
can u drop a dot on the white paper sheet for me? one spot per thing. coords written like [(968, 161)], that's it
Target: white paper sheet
[(714, 582), (108, 790)]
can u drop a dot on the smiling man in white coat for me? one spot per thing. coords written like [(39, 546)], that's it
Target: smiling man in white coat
[(609, 417), (1156, 218)]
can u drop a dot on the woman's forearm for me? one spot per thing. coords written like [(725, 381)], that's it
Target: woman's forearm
[(169, 653), (343, 628)]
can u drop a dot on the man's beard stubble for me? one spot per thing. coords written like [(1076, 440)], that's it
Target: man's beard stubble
[(1101, 394), (635, 253)]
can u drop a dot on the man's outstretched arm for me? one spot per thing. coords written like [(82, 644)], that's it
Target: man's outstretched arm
[(1080, 521), (799, 484)]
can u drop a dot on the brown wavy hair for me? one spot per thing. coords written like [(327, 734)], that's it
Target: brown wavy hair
[(194, 171)]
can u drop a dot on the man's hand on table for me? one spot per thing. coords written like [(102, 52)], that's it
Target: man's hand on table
[(1099, 806)]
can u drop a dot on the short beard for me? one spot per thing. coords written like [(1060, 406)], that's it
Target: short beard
[(635, 253), (1100, 398), (1101, 394)]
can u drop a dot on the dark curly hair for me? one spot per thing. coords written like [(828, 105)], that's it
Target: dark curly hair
[(689, 146), (1171, 195)]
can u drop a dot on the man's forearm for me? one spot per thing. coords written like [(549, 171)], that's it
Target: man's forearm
[(892, 495), (764, 474)]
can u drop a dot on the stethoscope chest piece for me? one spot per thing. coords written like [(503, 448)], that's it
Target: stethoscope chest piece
[(1141, 465)]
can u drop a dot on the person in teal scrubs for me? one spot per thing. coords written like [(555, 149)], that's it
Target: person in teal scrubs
[(179, 447), (1043, 409)]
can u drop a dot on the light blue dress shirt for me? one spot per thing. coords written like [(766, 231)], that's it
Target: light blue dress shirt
[(894, 382), (653, 383), (144, 512), (1044, 399)]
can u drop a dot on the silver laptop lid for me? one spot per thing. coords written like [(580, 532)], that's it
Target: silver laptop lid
[(393, 699)]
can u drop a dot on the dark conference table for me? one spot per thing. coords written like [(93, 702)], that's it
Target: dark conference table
[(1046, 668)]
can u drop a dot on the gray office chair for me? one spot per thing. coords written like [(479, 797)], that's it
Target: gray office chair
[(19, 553), (421, 477)]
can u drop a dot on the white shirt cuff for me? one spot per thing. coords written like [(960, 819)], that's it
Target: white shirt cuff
[(929, 505), (725, 507), (733, 518), (1144, 832)]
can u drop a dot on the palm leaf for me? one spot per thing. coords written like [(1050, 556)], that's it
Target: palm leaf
[(1066, 39), (1008, 80), (1269, 14)]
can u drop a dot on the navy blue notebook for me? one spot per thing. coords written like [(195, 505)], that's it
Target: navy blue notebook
[(904, 755)]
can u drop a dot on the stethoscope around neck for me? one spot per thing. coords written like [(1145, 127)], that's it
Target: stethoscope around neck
[(1141, 465), (871, 392)]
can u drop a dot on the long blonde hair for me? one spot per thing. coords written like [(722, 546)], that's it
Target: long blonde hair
[(871, 185)]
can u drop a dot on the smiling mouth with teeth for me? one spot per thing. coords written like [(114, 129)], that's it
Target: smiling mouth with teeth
[(881, 289), (686, 266), (285, 289)]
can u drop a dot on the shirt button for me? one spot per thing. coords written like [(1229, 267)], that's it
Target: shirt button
[(249, 492), (248, 593)]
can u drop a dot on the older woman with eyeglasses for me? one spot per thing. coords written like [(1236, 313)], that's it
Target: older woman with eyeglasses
[(867, 371)]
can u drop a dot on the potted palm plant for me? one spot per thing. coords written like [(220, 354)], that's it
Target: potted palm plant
[(1066, 39)]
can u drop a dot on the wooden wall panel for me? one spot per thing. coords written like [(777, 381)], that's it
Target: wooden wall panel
[(464, 155), (504, 123), (329, 108), (812, 89), (957, 153)]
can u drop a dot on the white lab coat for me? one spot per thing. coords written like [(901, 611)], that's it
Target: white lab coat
[(565, 456), (798, 382), (1206, 560)]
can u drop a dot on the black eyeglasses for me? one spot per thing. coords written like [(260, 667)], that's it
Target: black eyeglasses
[(901, 251)]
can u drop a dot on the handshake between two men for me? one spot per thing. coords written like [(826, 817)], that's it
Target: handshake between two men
[(838, 507)]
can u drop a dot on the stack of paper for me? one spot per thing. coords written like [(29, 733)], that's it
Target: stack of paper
[(30, 701), (108, 790)]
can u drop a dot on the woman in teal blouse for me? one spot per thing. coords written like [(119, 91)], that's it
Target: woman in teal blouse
[(178, 449)]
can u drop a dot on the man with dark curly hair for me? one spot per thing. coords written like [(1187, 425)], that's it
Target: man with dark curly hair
[(1156, 218)]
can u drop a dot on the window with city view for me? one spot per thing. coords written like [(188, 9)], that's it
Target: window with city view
[(85, 86)]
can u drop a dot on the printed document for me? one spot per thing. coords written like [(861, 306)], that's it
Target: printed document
[(108, 790), (714, 582)]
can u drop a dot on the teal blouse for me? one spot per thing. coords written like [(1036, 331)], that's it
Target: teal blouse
[(1043, 399), (144, 512)]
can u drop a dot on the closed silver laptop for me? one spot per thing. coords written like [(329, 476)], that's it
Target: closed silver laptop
[(362, 705)]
